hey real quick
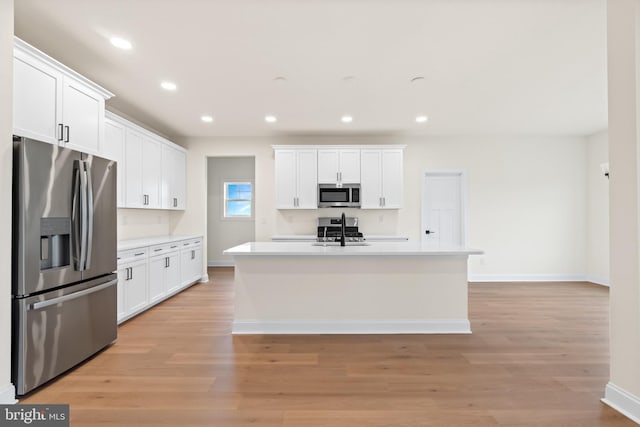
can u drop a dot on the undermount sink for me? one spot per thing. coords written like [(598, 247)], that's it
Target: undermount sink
[(338, 244)]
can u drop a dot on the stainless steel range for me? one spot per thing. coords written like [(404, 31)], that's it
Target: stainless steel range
[(330, 230)]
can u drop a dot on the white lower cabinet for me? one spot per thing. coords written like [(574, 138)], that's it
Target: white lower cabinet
[(132, 282), (164, 271), (150, 274), (191, 261)]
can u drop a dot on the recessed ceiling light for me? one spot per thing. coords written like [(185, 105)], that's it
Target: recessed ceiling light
[(270, 119), (206, 119), (417, 79), (346, 119), (421, 119), (348, 79), (280, 80), (121, 43), (168, 86)]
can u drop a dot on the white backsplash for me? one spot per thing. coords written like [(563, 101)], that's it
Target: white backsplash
[(378, 222), (137, 223)]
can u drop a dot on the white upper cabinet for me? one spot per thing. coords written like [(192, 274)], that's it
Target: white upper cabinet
[(54, 104), (338, 166), (37, 98), (381, 178), (173, 178), (82, 117), (151, 169), (133, 169), (113, 148), (296, 172), (151, 173)]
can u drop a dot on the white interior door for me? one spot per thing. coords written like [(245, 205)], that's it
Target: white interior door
[(443, 209)]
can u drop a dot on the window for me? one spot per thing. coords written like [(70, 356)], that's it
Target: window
[(238, 199)]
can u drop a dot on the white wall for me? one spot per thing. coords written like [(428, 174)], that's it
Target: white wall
[(7, 392), (223, 233), (526, 207), (527, 198), (623, 51), (136, 223), (597, 210)]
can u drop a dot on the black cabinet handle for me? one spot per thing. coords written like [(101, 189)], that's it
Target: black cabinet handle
[(67, 138), (61, 137)]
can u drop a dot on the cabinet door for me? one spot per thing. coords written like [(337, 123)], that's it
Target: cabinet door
[(392, 179), (172, 272), (180, 182), (186, 269), (328, 166), (135, 289), (350, 166), (173, 178), (37, 99), (371, 179), (167, 183), (122, 278), (113, 148), (307, 178), (197, 263), (151, 172), (133, 170), (285, 173), (82, 116), (157, 273)]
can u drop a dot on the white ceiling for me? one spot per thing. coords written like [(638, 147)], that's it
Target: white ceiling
[(489, 66)]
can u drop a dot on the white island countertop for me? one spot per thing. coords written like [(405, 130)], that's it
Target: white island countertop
[(372, 249)]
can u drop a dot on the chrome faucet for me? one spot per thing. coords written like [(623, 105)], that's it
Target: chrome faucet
[(343, 229)]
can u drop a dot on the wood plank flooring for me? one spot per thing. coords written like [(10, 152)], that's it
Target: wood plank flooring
[(538, 355)]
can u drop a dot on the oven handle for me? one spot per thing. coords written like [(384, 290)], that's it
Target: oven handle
[(54, 301)]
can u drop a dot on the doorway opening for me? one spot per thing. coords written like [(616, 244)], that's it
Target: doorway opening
[(230, 206)]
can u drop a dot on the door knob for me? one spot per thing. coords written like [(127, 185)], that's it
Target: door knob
[(429, 232)]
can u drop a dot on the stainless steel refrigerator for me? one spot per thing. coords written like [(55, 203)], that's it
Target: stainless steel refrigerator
[(64, 256)]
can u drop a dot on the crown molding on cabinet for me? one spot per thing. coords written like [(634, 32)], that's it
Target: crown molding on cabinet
[(27, 48)]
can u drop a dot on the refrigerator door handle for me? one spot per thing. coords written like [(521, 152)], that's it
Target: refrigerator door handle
[(54, 301), (76, 213), (83, 216), (89, 216)]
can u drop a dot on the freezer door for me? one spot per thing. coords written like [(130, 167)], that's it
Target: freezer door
[(101, 243), (43, 233), (57, 330)]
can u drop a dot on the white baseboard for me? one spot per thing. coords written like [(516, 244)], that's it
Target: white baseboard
[(8, 395), (526, 278), (604, 281), (436, 326), (228, 263), (622, 401), (204, 278)]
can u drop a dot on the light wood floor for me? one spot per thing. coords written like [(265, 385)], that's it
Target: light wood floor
[(538, 355)]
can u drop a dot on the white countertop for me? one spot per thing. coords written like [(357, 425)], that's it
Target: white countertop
[(124, 245), (313, 237), (373, 249)]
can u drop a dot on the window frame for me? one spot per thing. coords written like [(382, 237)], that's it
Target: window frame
[(225, 199)]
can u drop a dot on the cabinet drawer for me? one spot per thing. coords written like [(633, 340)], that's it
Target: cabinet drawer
[(164, 248), (132, 255), (187, 244)]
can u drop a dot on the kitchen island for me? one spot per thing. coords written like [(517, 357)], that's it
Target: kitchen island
[(380, 288)]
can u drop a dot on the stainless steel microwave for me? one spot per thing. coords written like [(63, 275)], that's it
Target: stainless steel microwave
[(334, 196)]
